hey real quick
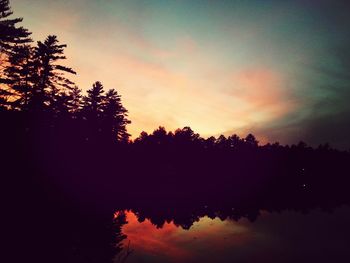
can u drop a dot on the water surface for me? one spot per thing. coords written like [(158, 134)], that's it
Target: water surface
[(274, 237)]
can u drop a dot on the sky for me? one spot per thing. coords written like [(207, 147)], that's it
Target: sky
[(277, 69)]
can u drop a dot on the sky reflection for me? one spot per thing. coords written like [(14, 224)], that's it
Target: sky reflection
[(175, 244), (286, 237)]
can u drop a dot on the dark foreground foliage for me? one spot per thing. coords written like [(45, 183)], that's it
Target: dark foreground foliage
[(62, 185)]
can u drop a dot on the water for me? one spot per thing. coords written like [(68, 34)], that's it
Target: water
[(274, 237)]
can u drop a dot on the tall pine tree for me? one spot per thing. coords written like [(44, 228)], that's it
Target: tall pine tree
[(92, 110), (105, 114), (50, 79), (115, 116)]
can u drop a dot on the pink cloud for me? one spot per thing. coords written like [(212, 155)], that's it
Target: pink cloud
[(264, 90)]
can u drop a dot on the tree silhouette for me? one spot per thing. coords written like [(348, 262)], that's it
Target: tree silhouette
[(186, 134), (159, 136), (94, 100), (222, 142), (92, 110), (61, 104), (251, 140), (115, 116), (209, 143), (235, 141), (142, 137), (18, 75), (75, 101), (50, 77), (11, 36)]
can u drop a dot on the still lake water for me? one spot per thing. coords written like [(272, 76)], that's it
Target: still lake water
[(274, 237)]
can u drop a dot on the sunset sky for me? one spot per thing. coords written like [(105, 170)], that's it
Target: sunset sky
[(278, 69)]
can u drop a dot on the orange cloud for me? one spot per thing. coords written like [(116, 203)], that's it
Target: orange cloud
[(262, 88), (264, 96)]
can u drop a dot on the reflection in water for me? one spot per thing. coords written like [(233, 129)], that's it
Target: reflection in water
[(286, 237), (172, 242)]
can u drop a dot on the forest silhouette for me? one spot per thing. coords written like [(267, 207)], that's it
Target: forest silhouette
[(68, 163)]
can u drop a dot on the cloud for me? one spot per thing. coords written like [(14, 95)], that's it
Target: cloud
[(324, 115), (263, 90), (264, 97)]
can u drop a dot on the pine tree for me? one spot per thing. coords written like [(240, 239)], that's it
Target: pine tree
[(50, 77), (115, 116), (93, 101), (92, 111), (105, 114), (10, 34)]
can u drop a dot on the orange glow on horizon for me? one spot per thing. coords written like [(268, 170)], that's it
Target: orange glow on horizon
[(188, 82)]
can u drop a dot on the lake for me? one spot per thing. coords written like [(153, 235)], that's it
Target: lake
[(289, 236)]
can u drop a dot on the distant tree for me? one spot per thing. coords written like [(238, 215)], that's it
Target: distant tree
[(276, 145), (115, 115), (93, 102), (209, 143), (222, 142), (324, 147), (302, 145), (235, 141), (159, 136), (105, 112), (50, 77), (142, 138), (186, 134), (250, 140)]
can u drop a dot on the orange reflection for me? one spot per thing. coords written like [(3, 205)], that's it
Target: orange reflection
[(176, 244)]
